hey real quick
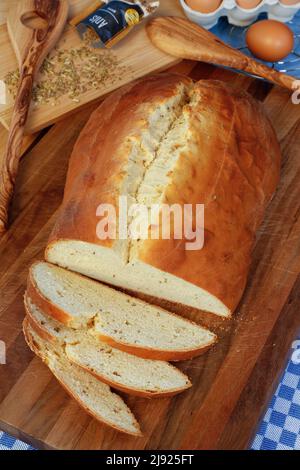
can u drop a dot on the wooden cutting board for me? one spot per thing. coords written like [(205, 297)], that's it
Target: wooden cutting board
[(135, 54), (231, 384)]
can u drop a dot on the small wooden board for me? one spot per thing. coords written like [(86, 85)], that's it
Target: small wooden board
[(135, 53)]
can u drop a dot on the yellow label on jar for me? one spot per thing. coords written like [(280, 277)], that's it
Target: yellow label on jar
[(132, 17)]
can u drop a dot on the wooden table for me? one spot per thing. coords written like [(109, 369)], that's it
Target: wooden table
[(232, 383)]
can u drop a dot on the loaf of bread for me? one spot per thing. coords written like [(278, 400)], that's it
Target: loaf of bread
[(94, 396), (165, 139), (118, 319), (120, 370)]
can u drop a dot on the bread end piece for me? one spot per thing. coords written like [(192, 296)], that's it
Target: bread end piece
[(93, 396)]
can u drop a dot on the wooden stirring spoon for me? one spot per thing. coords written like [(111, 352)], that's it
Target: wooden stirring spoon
[(182, 38), (34, 27)]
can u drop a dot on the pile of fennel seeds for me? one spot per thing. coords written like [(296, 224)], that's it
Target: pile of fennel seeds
[(70, 73)]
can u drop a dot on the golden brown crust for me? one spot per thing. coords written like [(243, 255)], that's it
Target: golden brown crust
[(158, 355), (42, 302), (41, 332), (233, 171), (29, 340), (235, 182), (96, 165)]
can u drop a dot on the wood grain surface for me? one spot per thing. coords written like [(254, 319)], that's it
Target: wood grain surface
[(232, 383), (135, 53)]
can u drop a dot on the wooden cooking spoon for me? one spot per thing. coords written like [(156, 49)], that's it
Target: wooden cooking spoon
[(182, 38), (34, 27)]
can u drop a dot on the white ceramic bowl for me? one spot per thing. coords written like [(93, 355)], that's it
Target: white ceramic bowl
[(241, 16)]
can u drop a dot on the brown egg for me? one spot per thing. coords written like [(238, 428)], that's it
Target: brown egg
[(289, 2), (204, 6), (248, 4), (270, 40)]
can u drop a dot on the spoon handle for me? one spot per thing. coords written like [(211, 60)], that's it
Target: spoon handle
[(271, 75), (12, 154), (31, 44)]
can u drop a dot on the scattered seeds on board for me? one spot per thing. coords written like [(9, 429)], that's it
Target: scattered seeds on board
[(71, 72)]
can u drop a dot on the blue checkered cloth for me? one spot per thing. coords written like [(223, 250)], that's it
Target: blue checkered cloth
[(10, 443), (280, 427)]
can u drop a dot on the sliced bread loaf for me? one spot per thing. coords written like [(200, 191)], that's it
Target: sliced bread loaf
[(123, 371), (94, 396), (166, 140), (118, 319)]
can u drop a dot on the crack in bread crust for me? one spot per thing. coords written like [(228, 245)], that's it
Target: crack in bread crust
[(147, 148)]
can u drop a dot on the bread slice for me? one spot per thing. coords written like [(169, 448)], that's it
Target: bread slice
[(123, 371), (94, 396), (118, 319)]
